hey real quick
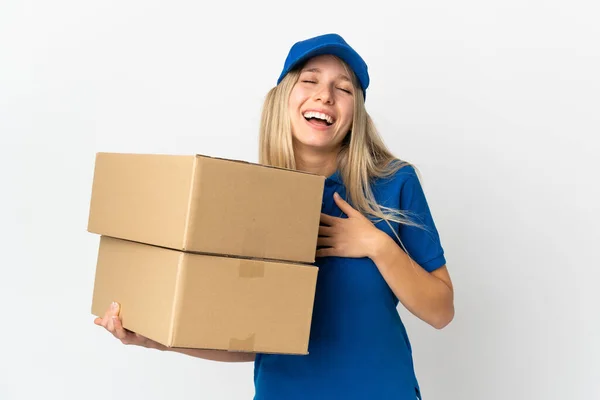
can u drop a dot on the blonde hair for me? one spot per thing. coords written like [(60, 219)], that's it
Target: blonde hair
[(362, 158)]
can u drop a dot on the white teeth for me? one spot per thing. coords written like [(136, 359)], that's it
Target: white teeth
[(324, 117)]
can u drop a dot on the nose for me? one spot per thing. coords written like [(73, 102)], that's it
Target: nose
[(325, 94)]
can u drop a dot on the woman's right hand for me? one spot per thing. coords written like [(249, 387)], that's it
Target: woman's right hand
[(112, 323)]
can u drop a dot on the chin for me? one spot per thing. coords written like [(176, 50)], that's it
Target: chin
[(315, 143)]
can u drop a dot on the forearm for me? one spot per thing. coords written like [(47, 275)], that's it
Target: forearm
[(423, 294), (215, 355)]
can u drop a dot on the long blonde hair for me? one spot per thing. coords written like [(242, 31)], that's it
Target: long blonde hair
[(362, 158)]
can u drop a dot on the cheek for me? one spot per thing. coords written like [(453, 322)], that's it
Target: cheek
[(348, 111), (292, 102), (297, 97)]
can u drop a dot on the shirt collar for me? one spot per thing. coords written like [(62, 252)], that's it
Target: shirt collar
[(335, 178)]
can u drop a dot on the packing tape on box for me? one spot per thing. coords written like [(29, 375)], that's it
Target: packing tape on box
[(242, 344), (251, 269)]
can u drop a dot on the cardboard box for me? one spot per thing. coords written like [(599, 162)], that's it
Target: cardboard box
[(189, 300), (207, 205)]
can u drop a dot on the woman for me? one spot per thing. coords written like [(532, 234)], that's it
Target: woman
[(377, 242)]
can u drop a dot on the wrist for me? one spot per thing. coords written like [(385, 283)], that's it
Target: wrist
[(380, 245)]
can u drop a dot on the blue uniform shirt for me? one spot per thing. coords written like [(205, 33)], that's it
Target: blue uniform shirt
[(358, 346)]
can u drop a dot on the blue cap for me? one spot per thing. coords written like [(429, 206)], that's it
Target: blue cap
[(327, 44)]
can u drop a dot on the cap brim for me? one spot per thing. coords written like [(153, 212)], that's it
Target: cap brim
[(347, 55)]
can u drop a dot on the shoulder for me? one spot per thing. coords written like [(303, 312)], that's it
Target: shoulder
[(401, 189), (403, 173), (393, 189)]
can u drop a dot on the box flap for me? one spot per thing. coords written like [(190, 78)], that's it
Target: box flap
[(255, 164), (248, 210)]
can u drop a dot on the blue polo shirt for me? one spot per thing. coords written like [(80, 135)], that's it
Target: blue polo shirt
[(358, 348)]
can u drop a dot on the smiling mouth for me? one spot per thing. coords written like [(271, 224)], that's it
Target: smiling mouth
[(318, 118)]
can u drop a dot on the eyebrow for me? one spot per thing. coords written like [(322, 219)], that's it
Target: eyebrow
[(317, 70)]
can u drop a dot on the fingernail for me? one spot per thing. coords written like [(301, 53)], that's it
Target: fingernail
[(336, 195), (114, 305)]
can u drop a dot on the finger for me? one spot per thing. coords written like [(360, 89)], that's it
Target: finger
[(325, 241), (120, 332), (106, 316), (114, 309), (326, 252), (325, 230), (328, 219), (110, 326), (343, 205), (98, 321)]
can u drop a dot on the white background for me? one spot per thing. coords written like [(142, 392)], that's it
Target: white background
[(497, 103)]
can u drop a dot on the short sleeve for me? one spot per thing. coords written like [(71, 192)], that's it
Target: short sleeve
[(422, 243)]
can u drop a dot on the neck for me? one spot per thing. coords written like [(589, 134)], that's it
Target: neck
[(324, 164)]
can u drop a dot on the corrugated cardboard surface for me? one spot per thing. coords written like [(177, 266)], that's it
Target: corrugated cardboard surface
[(143, 280), (207, 205), (200, 301)]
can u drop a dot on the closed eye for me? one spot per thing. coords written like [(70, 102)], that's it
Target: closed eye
[(345, 90), (306, 81)]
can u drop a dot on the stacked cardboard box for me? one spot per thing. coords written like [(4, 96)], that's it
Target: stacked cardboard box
[(203, 252)]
